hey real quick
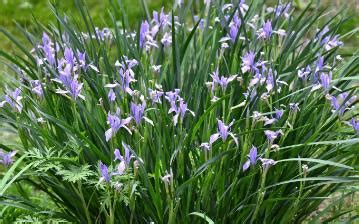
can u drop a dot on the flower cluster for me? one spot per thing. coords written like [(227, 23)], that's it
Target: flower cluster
[(149, 31), (124, 164)]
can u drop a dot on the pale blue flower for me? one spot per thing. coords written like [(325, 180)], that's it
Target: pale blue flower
[(252, 158), (6, 158), (223, 132), (116, 123)]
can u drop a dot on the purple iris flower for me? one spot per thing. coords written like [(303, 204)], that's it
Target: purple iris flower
[(46, 39), (164, 18), (13, 99), (82, 60), (37, 88), (332, 43), (180, 109), (282, 9), (127, 154), (336, 106), (65, 76), (155, 95), (116, 123), (248, 63), (105, 176), (325, 80), (75, 89), (6, 158), (251, 93), (252, 158), (137, 111), (233, 31), (322, 33), (221, 81), (103, 34), (69, 56), (294, 107), (338, 102), (145, 27), (270, 81), (355, 124), (319, 68), (111, 95), (304, 72), (126, 73), (266, 163), (272, 135), (223, 132), (166, 39), (47, 47), (278, 113), (172, 96), (72, 86), (266, 31)]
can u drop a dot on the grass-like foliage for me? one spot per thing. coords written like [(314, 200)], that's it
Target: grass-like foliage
[(210, 112)]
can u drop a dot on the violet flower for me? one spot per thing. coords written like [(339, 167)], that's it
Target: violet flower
[(272, 135), (37, 88), (177, 105), (75, 89), (250, 94), (166, 39), (137, 111), (126, 73), (81, 62), (278, 113), (223, 132), (304, 72), (248, 63), (233, 31), (145, 27), (6, 158), (13, 99), (105, 176), (65, 75), (294, 107), (282, 9), (355, 124), (155, 96), (69, 57), (266, 31), (116, 123), (252, 158), (70, 82), (221, 81), (111, 95), (342, 102), (332, 43), (322, 33), (325, 80), (47, 47), (180, 110), (270, 81), (319, 68), (127, 154), (266, 163)]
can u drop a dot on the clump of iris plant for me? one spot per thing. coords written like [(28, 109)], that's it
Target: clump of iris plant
[(231, 113)]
